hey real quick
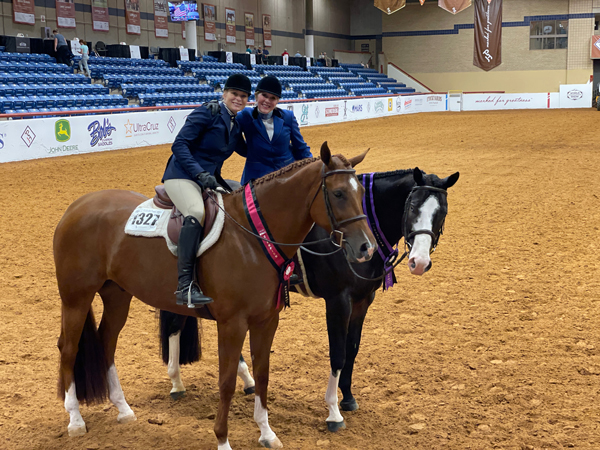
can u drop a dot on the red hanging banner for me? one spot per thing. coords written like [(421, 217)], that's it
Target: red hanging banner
[(161, 20), (454, 6), (132, 17), (249, 24), (487, 53), (230, 25), (422, 2), (390, 6), (100, 15), (210, 17), (24, 11), (267, 30), (65, 13)]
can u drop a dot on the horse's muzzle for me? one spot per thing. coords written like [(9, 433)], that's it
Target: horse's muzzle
[(365, 252)]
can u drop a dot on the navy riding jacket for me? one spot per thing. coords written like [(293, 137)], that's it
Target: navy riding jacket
[(266, 155), (203, 143)]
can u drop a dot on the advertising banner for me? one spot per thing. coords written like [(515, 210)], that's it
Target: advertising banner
[(454, 6), (132, 17), (487, 52), (249, 25), (596, 46), (100, 15), (410, 104), (576, 95), (230, 25), (161, 21), (24, 11), (390, 6), (210, 17), (267, 30), (65, 13), (498, 102)]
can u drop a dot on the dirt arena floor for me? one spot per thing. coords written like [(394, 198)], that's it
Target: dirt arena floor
[(496, 347)]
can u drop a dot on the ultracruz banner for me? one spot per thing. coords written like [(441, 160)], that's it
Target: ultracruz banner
[(65, 13), (161, 21), (249, 25), (132, 16), (454, 6), (390, 6), (267, 30), (210, 27), (100, 15), (230, 25), (24, 11), (487, 52)]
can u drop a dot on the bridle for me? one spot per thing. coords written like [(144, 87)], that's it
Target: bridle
[(334, 223), (435, 237)]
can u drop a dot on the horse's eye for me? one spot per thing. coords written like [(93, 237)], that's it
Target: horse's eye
[(338, 194)]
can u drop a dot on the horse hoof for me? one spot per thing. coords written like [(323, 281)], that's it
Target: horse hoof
[(77, 430), (177, 395), (274, 443), (249, 390), (334, 427), (126, 418), (350, 405)]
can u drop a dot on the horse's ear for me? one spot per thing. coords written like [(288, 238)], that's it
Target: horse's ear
[(450, 181), (418, 176), (325, 154), (358, 159)]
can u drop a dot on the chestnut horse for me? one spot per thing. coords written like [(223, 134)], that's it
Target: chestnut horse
[(93, 254)]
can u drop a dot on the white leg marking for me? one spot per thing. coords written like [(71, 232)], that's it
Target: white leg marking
[(173, 367), (115, 394), (418, 260), (224, 446), (244, 374), (76, 424), (331, 398), (261, 417)]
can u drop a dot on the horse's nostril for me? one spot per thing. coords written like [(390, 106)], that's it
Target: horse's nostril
[(364, 248)]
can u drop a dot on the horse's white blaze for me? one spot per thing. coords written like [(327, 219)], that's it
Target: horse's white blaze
[(224, 446), (116, 396), (261, 417), (354, 184), (173, 368), (244, 374), (76, 424), (331, 398), (418, 260)]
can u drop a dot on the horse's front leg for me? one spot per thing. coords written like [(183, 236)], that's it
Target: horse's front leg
[(339, 310), (261, 340), (359, 311), (244, 374), (231, 338)]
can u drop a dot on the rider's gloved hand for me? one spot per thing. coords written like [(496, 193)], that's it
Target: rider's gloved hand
[(213, 106), (207, 181)]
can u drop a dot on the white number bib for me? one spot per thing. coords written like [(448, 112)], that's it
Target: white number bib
[(144, 219)]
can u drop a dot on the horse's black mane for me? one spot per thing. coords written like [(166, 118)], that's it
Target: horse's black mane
[(292, 166)]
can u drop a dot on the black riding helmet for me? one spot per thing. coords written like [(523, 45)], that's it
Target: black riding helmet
[(239, 82), (269, 85)]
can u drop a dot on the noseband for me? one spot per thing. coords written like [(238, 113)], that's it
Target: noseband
[(434, 237), (333, 222)]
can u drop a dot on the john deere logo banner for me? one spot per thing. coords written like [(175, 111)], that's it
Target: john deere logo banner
[(487, 53), (62, 130), (390, 6)]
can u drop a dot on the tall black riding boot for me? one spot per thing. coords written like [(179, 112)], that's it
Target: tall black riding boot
[(188, 291)]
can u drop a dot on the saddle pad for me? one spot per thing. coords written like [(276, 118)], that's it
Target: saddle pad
[(149, 221)]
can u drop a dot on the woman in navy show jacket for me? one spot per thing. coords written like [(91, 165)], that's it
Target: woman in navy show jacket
[(272, 134), (204, 142)]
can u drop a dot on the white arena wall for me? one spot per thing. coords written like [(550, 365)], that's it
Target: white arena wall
[(28, 139)]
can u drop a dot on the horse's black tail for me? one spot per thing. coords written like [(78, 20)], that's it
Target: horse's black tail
[(189, 348), (90, 372)]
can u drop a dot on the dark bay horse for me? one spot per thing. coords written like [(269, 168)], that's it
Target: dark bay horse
[(93, 254), (406, 203)]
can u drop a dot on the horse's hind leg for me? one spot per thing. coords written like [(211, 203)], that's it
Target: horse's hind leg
[(261, 340), (116, 307)]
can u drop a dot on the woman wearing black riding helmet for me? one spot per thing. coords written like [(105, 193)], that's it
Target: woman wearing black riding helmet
[(205, 141), (272, 134)]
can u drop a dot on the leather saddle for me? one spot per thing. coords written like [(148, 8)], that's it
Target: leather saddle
[(162, 200)]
